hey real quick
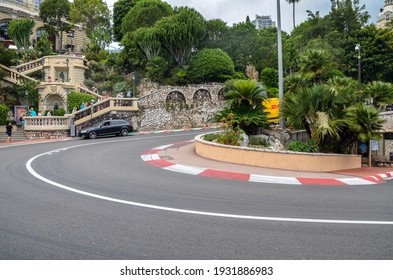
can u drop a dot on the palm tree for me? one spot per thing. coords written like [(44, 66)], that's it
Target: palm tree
[(381, 93), (321, 111), (244, 102), (293, 2), (315, 63), (366, 123)]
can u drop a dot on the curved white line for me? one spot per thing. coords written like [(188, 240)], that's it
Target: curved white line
[(185, 211)]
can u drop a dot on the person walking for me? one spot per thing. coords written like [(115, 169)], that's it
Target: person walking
[(9, 128)]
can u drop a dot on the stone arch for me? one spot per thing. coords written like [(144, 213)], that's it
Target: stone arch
[(175, 97), (202, 95), (51, 100), (221, 94)]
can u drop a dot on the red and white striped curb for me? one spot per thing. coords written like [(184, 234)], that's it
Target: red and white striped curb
[(151, 157)]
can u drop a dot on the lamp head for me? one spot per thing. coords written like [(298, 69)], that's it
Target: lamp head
[(357, 47)]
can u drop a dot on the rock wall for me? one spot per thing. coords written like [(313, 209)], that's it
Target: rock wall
[(170, 107)]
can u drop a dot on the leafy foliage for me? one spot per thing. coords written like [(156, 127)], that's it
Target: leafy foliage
[(181, 33), (208, 65), (75, 99), (19, 30), (309, 146), (94, 13), (56, 15), (3, 114)]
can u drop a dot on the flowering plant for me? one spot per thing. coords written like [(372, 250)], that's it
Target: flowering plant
[(231, 134)]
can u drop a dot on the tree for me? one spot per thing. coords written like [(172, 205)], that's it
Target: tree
[(315, 63), (366, 124), (210, 65), (93, 13), (244, 105), (56, 14), (380, 93), (347, 16), (181, 33), (145, 13), (216, 34), (148, 40), (19, 30), (293, 2), (120, 9), (44, 46), (319, 110), (376, 54)]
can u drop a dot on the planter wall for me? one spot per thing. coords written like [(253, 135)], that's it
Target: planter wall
[(315, 162)]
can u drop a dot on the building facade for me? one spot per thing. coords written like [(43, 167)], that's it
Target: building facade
[(73, 41), (262, 22), (386, 14)]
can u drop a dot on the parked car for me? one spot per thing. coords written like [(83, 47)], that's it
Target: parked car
[(108, 127)]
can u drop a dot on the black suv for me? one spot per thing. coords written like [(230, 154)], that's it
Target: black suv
[(110, 127)]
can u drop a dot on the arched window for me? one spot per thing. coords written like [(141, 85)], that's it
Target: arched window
[(221, 94), (175, 97), (202, 95)]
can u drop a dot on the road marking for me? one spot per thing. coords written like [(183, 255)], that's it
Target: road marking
[(187, 211)]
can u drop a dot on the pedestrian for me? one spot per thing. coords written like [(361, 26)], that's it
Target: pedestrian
[(74, 110), (9, 132), (32, 112), (39, 113), (48, 114), (22, 121)]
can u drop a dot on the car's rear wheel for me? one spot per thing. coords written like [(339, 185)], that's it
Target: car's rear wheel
[(124, 132), (92, 135)]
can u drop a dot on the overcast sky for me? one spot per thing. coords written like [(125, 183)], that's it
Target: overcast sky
[(235, 11)]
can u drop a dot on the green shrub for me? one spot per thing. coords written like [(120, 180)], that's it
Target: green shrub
[(306, 147), (60, 112), (210, 137), (208, 65), (3, 114), (75, 99), (257, 142)]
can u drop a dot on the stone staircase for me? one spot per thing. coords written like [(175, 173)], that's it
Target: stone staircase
[(17, 134)]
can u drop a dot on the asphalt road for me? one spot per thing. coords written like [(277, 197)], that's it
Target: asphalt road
[(100, 200)]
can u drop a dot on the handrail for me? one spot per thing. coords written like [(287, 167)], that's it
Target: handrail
[(29, 65), (44, 123), (86, 90), (47, 123), (15, 77), (103, 107)]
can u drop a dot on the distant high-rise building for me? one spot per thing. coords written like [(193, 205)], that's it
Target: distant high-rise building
[(386, 14), (262, 22)]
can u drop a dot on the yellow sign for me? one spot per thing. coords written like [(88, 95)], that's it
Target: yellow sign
[(272, 107)]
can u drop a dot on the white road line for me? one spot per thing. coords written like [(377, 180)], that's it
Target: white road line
[(187, 211)]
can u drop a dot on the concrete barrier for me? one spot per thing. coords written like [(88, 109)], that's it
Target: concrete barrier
[(314, 162)]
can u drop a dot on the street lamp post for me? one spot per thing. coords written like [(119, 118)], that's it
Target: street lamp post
[(67, 62), (43, 70), (27, 97), (357, 48), (280, 64), (133, 85)]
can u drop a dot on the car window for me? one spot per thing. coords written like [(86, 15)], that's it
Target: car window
[(105, 124)]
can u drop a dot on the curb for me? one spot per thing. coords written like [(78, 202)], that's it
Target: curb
[(151, 157)]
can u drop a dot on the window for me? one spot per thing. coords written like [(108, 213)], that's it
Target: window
[(4, 30)]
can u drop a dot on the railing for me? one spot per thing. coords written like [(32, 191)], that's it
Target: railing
[(84, 89), (31, 65), (105, 106), (47, 123), (14, 77)]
